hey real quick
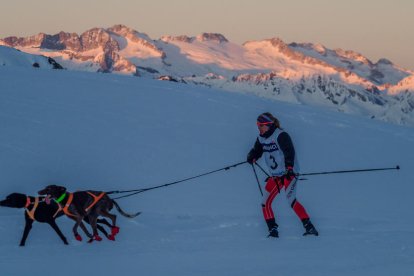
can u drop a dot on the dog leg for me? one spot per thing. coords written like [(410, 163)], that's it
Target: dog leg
[(114, 228), (57, 230), (105, 222), (93, 220), (75, 229), (27, 228), (100, 228), (103, 231)]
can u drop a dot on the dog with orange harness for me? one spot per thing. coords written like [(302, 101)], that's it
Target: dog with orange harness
[(36, 209), (85, 204)]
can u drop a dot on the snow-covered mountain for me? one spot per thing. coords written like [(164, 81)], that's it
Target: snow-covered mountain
[(303, 73), (113, 132), (13, 57), (382, 72), (405, 85)]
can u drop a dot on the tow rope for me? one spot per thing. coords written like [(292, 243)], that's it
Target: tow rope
[(137, 191)]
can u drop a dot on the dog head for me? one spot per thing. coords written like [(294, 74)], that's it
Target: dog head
[(53, 191), (14, 200)]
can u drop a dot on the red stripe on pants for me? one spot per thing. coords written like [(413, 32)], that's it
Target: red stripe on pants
[(273, 190), (300, 210), (273, 185)]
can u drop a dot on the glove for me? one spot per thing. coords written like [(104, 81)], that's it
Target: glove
[(251, 158), (289, 174)]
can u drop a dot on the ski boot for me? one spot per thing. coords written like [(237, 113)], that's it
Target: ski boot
[(272, 225), (309, 228), (273, 233)]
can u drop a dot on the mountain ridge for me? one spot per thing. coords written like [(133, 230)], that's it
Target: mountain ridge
[(262, 67)]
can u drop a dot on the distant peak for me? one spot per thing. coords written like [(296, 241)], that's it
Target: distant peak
[(352, 55), (212, 37), (121, 29), (182, 38), (95, 31), (275, 41), (279, 44), (309, 46), (384, 61)]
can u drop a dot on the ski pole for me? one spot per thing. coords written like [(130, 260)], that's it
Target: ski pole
[(260, 167), (268, 175), (257, 179), (349, 171)]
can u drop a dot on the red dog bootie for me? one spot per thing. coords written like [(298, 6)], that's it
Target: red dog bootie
[(97, 238), (111, 237), (115, 230), (78, 237)]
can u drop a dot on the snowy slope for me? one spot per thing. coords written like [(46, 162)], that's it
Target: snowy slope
[(110, 132), (405, 85), (12, 57)]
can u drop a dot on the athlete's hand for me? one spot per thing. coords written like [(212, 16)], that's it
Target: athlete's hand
[(251, 158), (289, 174)]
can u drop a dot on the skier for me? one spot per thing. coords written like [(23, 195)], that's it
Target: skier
[(276, 146)]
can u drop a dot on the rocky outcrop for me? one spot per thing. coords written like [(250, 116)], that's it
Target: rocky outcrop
[(98, 37), (136, 37), (30, 41), (90, 39), (180, 38), (219, 38)]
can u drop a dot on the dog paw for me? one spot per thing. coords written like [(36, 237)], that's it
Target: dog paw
[(78, 237), (111, 237), (97, 237)]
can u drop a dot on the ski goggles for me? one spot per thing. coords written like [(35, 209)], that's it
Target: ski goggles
[(264, 120), (263, 124)]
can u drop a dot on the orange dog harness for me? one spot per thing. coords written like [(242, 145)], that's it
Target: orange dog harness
[(96, 198), (31, 213), (65, 209)]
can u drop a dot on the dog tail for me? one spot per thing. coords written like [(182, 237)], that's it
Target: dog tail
[(123, 213)]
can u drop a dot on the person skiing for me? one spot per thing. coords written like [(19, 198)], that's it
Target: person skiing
[(277, 148)]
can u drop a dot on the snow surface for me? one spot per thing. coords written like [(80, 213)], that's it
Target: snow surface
[(112, 132), (12, 57)]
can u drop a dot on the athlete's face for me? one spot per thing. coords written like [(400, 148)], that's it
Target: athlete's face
[(262, 128)]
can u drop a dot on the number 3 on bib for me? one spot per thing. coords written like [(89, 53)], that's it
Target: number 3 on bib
[(274, 165)]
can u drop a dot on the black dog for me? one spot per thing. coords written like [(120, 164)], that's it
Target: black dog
[(37, 209), (86, 204)]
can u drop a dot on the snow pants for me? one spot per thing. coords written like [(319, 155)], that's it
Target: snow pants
[(274, 186)]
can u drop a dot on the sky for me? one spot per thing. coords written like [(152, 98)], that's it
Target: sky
[(374, 28)]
